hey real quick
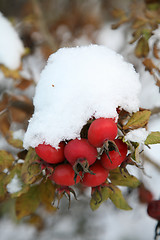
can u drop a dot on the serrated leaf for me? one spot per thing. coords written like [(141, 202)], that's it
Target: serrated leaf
[(127, 180), (99, 197), (138, 120), (142, 48), (29, 169), (47, 195), (27, 203), (118, 199), (153, 138), (6, 160)]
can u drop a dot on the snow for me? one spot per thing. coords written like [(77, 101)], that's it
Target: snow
[(138, 135), (15, 185), (19, 134), (88, 81), (11, 47)]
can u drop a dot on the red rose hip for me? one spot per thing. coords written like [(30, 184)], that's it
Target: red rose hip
[(101, 130), (116, 158), (153, 209), (99, 177), (50, 154)]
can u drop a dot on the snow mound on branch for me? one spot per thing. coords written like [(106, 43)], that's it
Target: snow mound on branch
[(11, 47), (77, 84), (137, 135), (15, 185)]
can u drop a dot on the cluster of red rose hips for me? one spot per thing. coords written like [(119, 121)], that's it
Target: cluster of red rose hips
[(84, 160)]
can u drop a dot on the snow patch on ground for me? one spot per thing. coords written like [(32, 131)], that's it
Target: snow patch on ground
[(77, 84)]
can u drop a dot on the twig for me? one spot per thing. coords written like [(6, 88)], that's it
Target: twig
[(147, 159), (43, 25)]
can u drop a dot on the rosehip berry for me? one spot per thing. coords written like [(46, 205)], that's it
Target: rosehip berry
[(101, 174), (50, 154), (80, 149), (145, 196), (153, 209), (116, 158), (64, 175), (100, 130)]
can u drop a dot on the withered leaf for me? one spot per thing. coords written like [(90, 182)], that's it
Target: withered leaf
[(117, 178), (6, 160), (8, 73), (2, 187), (142, 48), (23, 84), (30, 170), (17, 143), (138, 120), (28, 202)]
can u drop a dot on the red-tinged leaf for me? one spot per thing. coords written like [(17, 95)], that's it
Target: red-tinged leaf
[(117, 198), (138, 120)]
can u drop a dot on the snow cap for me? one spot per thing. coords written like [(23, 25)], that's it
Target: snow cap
[(77, 84)]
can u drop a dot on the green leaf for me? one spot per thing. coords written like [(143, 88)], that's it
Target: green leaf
[(118, 199), (28, 202), (126, 179), (47, 195), (3, 190), (142, 48), (6, 160), (30, 169), (138, 120), (153, 138), (99, 197)]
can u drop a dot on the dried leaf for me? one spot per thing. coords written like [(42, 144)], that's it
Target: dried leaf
[(27, 203), (4, 123), (127, 180), (17, 143), (6, 160), (29, 169), (8, 73), (23, 84), (36, 221), (139, 22), (153, 138), (138, 120), (142, 48), (118, 199), (99, 197), (149, 65), (156, 50)]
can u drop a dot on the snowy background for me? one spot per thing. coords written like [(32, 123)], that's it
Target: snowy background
[(80, 222)]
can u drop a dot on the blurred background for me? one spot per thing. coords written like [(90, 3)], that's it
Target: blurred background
[(131, 28)]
